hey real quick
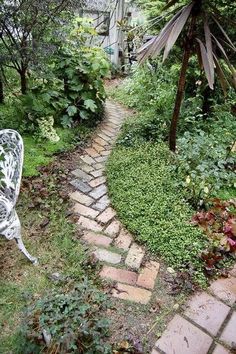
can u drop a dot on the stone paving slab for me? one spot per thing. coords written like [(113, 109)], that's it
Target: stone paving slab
[(135, 256), (181, 337), (229, 334), (225, 289), (207, 312), (219, 349)]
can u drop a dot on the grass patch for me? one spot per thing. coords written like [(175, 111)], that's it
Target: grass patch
[(142, 190), (38, 153)]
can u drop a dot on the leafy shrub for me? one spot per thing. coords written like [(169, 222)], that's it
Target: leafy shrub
[(219, 224), (73, 91), (69, 322), (205, 159), (142, 189)]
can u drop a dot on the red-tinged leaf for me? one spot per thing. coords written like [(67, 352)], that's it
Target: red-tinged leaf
[(231, 68), (224, 33), (222, 78), (206, 65), (156, 44), (177, 28), (209, 47)]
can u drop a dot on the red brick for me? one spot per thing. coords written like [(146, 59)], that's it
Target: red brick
[(96, 239), (87, 159), (219, 349), (124, 240), (92, 152), (225, 289), (100, 141), (85, 211), (108, 132), (181, 337), (89, 224), (105, 153), (82, 198), (120, 275), (97, 181), (135, 256), (229, 334), (97, 173), (132, 293), (113, 229), (97, 147), (148, 275), (107, 256), (106, 216), (207, 312)]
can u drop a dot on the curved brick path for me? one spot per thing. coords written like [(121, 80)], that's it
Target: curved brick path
[(209, 323)]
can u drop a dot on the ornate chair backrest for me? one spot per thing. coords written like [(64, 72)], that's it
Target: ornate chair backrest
[(11, 163)]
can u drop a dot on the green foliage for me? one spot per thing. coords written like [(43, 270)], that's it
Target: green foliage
[(73, 320), (72, 92), (40, 153), (142, 189)]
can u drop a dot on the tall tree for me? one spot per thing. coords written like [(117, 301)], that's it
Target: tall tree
[(195, 20), (23, 24)]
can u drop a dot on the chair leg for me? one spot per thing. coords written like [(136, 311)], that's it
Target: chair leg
[(14, 232)]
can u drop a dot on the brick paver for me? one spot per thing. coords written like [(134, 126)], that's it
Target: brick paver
[(148, 275), (113, 229), (104, 255), (97, 181), (124, 240), (81, 198), (98, 192), (81, 186), (132, 293), (89, 224), (106, 216), (120, 275), (96, 239), (85, 211), (135, 256)]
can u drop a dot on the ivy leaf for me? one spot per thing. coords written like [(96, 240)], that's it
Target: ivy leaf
[(71, 110), (90, 104)]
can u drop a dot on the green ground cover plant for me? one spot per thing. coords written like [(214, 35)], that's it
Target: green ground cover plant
[(142, 190)]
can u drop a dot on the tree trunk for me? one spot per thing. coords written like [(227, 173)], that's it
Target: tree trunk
[(23, 81), (206, 104), (1, 88), (182, 80)]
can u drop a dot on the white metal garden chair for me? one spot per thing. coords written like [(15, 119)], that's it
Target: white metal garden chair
[(11, 163)]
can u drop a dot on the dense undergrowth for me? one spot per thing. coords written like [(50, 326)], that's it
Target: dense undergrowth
[(156, 193)]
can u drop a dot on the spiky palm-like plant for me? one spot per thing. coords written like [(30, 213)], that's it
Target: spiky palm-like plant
[(196, 20)]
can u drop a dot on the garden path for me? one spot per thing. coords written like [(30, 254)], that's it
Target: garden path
[(208, 323)]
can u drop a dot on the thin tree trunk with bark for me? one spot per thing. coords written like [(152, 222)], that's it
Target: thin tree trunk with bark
[(23, 81), (182, 79), (1, 88)]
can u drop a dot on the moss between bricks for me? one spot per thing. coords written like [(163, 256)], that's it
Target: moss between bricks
[(142, 190)]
